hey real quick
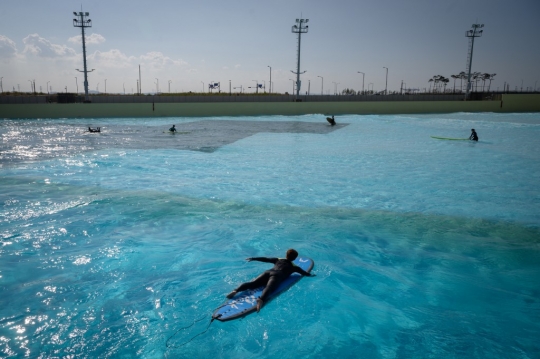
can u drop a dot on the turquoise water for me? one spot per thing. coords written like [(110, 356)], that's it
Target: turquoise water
[(121, 244)]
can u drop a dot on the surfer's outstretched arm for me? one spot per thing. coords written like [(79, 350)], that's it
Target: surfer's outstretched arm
[(303, 272), (263, 259)]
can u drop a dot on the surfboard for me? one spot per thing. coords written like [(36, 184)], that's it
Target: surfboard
[(451, 139), (245, 302)]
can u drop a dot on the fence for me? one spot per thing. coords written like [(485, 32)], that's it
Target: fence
[(73, 98)]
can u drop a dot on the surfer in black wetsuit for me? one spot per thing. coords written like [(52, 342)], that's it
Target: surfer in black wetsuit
[(172, 129), (474, 136), (331, 120), (270, 279)]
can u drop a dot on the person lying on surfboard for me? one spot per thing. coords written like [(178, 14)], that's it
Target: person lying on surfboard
[(474, 136), (270, 279)]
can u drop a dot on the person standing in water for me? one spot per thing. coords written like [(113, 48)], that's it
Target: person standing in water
[(474, 135), (270, 279)]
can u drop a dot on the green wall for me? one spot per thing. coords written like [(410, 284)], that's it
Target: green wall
[(509, 103)]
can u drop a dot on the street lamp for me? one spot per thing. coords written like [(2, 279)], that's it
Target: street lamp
[(386, 87), (363, 76), (170, 86), (105, 86), (322, 85), (270, 83), (31, 87), (48, 87), (77, 85), (157, 85)]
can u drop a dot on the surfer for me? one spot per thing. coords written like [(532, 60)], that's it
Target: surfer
[(474, 136), (172, 129), (331, 120), (98, 129), (270, 279)]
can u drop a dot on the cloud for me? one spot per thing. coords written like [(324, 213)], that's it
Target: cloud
[(8, 48), (38, 46), (157, 60), (113, 59), (93, 39), (237, 66)]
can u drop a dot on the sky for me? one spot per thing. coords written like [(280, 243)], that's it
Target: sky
[(185, 45)]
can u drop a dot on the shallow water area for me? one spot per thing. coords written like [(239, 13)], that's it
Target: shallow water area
[(122, 243)]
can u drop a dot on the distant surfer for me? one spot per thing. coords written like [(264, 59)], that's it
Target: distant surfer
[(172, 129), (474, 135), (331, 120), (270, 279), (90, 129)]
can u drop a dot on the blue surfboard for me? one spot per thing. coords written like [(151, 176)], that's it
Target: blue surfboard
[(245, 302)]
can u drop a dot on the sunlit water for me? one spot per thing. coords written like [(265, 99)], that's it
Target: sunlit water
[(121, 244)]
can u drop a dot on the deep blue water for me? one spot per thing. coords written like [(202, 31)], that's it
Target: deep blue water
[(112, 243)]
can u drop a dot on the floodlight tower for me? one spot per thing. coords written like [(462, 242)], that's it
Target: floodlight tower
[(471, 34), (300, 28), (82, 21)]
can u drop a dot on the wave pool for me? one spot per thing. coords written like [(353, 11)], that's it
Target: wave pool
[(121, 244)]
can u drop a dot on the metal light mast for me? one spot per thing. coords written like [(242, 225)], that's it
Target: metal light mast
[(300, 28), (83, 22), (471, 34)]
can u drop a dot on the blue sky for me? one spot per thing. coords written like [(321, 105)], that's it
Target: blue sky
[(193, 43)]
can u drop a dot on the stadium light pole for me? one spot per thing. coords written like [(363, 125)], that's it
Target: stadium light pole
[(300, 28), (170, 86), (270, 83), (386, 86), (77, 85), (2, 84), (83, 22), (471, 34), (363, 76)]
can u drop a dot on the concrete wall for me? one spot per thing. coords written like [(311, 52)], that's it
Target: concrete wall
[(509, 103)]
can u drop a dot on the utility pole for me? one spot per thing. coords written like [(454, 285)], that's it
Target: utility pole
[(140, 87), (300, 28), (83, 23), (270, 83), (471, 34)]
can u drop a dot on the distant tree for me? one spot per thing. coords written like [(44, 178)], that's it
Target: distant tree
[(490, 78), (454, 77), (348, 92)]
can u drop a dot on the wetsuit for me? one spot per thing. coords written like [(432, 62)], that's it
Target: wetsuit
[(271, 278), (172, 129), (474, 136)]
